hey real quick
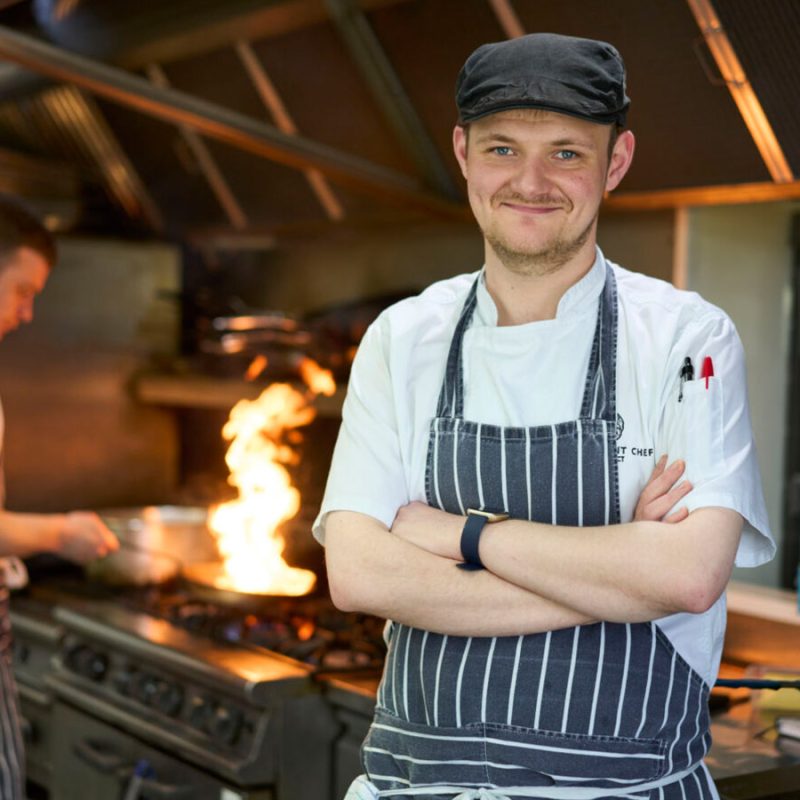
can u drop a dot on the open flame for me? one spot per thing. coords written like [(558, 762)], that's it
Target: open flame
[(261, 433)]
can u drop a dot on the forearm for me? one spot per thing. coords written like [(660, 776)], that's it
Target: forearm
[(25, 534), (626, 573), (372, 570)]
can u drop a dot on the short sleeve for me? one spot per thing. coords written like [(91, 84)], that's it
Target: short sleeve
[(707, 423), (367, 472)]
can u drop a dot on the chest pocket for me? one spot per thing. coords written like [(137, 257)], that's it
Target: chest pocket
[(701, 416)]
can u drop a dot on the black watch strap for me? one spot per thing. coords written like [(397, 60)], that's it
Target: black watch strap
[(470, 537)]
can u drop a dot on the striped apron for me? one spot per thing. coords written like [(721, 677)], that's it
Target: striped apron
[(12, 754), (11, 747), (605, 710)]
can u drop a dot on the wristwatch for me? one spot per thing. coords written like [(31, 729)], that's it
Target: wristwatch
[(471, 534)]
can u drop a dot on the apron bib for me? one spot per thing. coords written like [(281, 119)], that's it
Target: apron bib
[(598, 711)]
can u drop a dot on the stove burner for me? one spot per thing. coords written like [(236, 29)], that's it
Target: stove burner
[(308, 629)]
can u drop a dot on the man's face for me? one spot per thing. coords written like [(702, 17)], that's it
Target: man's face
[(535, 181), (23, 275)]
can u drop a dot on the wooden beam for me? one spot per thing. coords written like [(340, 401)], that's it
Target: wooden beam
[(216, 122), (733, 194), (209, 168), (741, 90), (508, 19), (280, 114)]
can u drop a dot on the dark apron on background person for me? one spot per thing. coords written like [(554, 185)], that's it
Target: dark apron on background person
[(12, 753), (11, 746), (606, 710)]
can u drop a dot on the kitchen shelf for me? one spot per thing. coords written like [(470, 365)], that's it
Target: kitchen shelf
[(203, 391)]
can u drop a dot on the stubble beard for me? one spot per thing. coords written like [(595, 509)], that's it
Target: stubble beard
[(543, 261), (549, 257)]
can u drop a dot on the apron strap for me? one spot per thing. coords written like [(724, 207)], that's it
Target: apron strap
[(451, 397), (640, 791), (600, 391), (599, 395)]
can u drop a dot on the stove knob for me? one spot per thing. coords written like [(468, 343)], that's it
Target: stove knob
[(73, 654), (21, 652), (200, 713), (226, 724), (87, 662), (169, 698), (147, 689), (124, 681)]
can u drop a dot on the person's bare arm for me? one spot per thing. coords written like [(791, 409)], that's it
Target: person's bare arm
[(632, 572), (78, 536), (373, 570), (386, 573), (622, 573)]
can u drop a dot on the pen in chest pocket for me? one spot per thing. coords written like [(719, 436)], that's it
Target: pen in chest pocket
[(686, 374), (708, 369)]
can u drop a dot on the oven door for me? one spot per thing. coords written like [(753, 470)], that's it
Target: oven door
[(95, 761)]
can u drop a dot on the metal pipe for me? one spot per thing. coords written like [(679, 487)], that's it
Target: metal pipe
[(222, 124)]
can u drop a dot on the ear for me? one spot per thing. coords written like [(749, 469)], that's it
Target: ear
[(621, 158), (460, 148)]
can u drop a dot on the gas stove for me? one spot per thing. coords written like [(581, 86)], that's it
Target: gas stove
[(188, 698), (308, 629)]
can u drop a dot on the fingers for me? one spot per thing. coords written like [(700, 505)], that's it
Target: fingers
[(86, 537), (659, 468), (663, 492), (661, 506), (662, 479), (678, 516)]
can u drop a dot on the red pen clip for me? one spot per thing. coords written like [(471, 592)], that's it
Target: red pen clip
[(708, 369)]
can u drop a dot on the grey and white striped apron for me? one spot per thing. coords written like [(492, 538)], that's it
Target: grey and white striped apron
[(598, 711), (11, 747), (12, 754)]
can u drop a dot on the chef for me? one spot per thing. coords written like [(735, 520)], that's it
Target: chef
[(27, 253), (544, 476)]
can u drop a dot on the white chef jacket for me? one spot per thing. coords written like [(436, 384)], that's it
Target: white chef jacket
[(533, 374)]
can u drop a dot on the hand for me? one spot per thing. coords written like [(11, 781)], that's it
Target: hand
[(83, 537), (431, 529), (662, 492)]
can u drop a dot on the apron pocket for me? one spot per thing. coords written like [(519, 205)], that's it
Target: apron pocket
[(397, 754), (518, 756)]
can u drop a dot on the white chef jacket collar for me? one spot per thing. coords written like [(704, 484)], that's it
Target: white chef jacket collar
[(574, 301)]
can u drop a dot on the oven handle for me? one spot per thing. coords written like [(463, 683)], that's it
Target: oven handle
[(151, 789), (101, 757)]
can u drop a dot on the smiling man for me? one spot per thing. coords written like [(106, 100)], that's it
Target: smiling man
[(27, 253), (501, 489)]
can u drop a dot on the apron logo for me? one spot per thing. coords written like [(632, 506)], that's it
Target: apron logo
[(641, 452)]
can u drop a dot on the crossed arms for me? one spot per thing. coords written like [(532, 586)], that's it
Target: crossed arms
[(538, 577)]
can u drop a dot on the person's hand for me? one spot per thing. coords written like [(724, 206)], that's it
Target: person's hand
[(662, 492), (83, 537), (431, 529)]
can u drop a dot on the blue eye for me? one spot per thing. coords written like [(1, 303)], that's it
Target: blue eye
[(567, 155), (502, 150)]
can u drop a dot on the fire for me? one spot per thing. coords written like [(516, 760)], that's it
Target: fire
[(261, 433)]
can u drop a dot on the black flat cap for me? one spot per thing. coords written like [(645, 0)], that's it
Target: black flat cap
[(580, 77)]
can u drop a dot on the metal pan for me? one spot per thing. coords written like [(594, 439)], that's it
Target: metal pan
[(155, 543), (134, 566), (203, 581)]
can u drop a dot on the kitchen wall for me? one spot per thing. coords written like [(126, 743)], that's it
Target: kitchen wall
[(640, 241), (306, 275), (75, 437), (740, 258)]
